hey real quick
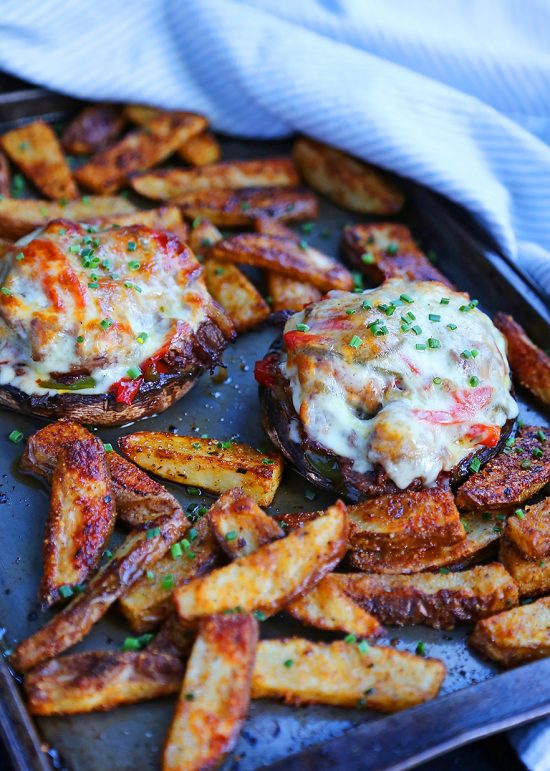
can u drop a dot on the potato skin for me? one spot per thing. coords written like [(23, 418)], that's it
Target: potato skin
[(92, 129), (530, 365)]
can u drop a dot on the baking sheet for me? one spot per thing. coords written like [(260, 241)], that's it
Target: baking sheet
[(131, 737)]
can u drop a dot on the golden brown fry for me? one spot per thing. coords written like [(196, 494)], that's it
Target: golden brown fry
[(164, 218), (284, 256), (384, 250), (436, 599), (215, 694), (206, 463), (530, 365), (5, 176), (100, 680), (531, 575), (239, 524), (36, 150), (92, 129), (172, 184), (272, 576), (202, 236), (149, 601), (81, 519), (236, 294), (347, 181), (18, 217), (288, 294), (107, 171), (530, 531), (515, 636), (142, 114), (342, 674), (140, 550), (506, 481), (201, 150)]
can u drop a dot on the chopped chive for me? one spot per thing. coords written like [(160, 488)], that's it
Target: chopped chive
[(260, 615), (474, 381), (437, 381), (150, 575), (392, 248), (366, 305), (152, 533), (66, 591), (302, 327), (541, 436), (93, 285), (421, 346), (268, 461), (196, 222), (406, 298), (444, 571), (219, 271), (288, 663), (20, 256), (452, 327), (107, 554), (15, 436), (519, 513), (167, 581), (434, 317), (355, 341), (363, 646), (475, 465), (106, 323), (444, 301), (134, 372), (421, 648), (133, 264), (368, 258), (80, 339), (245, 206), (474, 353), (379, 331), (416, 329), (466, 355), (525, 464), (303, 244), (351, 311), (231, 535), (350, 638), (189, 697), (196, 445), (410, 315), (193, 491), (131, 644), (225, 445), (433, 342), (176, 551), (108, 447), (537, 453), (6, 291), (307, 227)]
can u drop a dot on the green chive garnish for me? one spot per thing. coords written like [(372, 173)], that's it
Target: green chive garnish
[(368, 258), (134, 373), (66, 591), (519, 513), (355, 341), (231, 535), (152, 533), (475, 465), (302, 327), (433, 342), (133, 264), (106, 323), (15, 436), (167, 581), (108, 447), (474, 381), (406, 298), (176, 551), (434, 317)]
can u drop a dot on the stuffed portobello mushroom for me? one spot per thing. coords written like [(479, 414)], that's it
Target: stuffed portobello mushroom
[(399, 387), (104, 327)]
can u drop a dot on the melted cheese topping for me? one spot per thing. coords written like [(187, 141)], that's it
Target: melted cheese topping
[(410, 376), (96, 303)]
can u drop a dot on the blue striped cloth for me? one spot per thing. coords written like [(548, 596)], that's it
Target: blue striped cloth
[(454, 94)]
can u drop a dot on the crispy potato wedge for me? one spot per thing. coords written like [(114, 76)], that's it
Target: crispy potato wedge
[(5, 176), (215, 695), (340, 673), (531, 575), (506, 482), (236, 294), (530, 365), (347, 181), (515, 636), (383, 250), (288, 294), (149, 601), (284, 256), (530, 533), (239, 524), (140, 550), (202, 236), (171, 184), (81, 518), (201, 150), (482, 533), (206, 463), (96, 681), (107, 171), (18, 217), (272, 576), (142, 114), (435, 599), (164, 218), (92, 129), (243, 206), (36, 150)]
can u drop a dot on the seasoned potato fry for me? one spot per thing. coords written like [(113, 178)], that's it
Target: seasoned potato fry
[(531, 575), (272, 576), (140, 550), (515, 636), (18, 217), (530, 365), (164, 218), (284, 256), (239, 524), (92, 129), (81, 518), (36, 150), (243, 206), (201, 150), (206, 463), (5, 176), (107, 171), (236, 294), (506, 482), (171, 184), (340, 673), (436, 599), (384, 250), (100, 680), (347, 181), (288, 294), (149, 600), (215, 694), (530, 531)]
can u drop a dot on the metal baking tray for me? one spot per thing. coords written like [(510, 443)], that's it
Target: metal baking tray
[(477, 699)]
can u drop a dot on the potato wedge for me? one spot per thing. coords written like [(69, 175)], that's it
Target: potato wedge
[(19, 217), (81, 518), (272, 576), (435, 599), (288, 294), (142, 114), (174, 638), (530, 365), (239, 524), (215, 695), (171, 184), (482, 533), (107, 171), (349, 182), (383, 250), (96, 681), (286, 257), (140, 550), (202, 236), (530, 532), (36, 150), (164, 218), (206, 463), (201, 150), (149, 601), (511, 477), (515, 636), (243, 206), (5, 176), (92, 129), (531, 575), (340, 673)]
